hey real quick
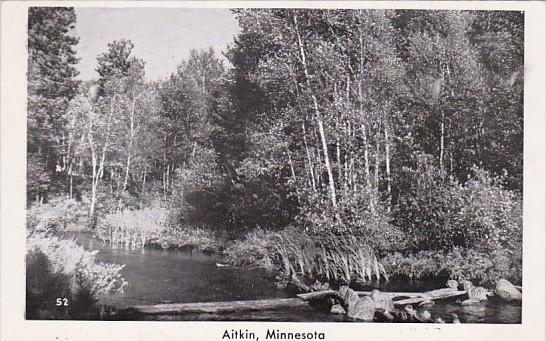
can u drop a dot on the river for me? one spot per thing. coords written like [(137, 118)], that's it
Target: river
[(172, 276)]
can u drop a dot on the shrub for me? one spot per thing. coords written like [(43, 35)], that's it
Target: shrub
[(458, 263), (58, 213), (426, 206), (253, 250), (79, 266), (194, 237), (488, 217), (441, 213), (355, 217)]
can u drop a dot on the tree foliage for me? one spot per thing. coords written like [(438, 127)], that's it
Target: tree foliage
[(403, 128)]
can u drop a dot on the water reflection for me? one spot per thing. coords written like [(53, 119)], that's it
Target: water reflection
[(172, 276)]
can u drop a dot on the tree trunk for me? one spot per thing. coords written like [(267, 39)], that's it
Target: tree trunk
[(442, 131), (388, 165), (70, 191), (331, 184), (311, 168)]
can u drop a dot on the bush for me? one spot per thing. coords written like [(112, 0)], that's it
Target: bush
[(253, 250), (439, 213), (199, 238), (479, 267), (80, 266), (355, 217), (58, 213), (489, 217)]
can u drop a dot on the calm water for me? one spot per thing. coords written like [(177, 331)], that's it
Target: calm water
[(172, 276)]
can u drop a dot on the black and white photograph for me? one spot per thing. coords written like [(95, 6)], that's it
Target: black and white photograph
[(217, 170), (274, 164)]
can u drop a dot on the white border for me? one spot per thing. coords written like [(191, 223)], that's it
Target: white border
[(12, 185)]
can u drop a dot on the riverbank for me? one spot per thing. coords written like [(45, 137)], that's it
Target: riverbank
[(166, 276)]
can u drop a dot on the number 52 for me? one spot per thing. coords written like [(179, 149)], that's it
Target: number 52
[(61, 301)]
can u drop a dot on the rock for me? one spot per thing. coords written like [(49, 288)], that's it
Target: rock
[(410, 312), (357, 308), (425, 316), (467, 286), (402, 315), (382, 302), (455, 318), (478, 293), (475, 294), (337, 309), (453, 284), (507, 291), (388, 316), (439, 320), (349, 297), (363, 310)]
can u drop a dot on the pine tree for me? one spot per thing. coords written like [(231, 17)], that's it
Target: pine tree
[(51, 85)]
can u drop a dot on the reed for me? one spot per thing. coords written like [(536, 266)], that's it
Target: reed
[(330, 257), (133, 229)]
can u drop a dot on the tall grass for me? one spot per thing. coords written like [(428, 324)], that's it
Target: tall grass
[(133, 229), (331, 257), (325, 257)]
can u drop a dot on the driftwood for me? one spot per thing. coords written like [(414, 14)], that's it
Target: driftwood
[(217, 307), (332, 293), (417, 300)]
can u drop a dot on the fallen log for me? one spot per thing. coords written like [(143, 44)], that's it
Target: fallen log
[(417, 300), (331, 293), (217, 307), (318, 295)]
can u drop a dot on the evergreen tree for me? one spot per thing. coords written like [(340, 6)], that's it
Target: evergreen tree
[(51, 85)]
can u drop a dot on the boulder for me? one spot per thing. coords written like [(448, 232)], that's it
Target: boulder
[(453, 284), (467, 286), (475, 294), (356, 307), (455, 318), (507, 291), (382, 302), (410, 312), (364, 309), (478, 293), (348, 296), (425, 316), (337, 309)]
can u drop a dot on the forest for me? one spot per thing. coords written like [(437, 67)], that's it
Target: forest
[(336, 145)]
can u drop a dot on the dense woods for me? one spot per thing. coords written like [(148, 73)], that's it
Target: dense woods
[(333, 144)]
